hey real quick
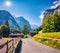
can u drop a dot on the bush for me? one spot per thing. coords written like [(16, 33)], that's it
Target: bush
[(25, 36)]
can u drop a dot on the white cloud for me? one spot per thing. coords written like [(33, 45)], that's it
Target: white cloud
[(56, 3), (41, 16)]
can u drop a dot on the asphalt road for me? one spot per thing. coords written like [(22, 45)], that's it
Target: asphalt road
[(30, 46)]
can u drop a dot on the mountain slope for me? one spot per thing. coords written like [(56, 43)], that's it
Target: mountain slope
[(4, 16), (51, 11), (21, 21), (34, 26)]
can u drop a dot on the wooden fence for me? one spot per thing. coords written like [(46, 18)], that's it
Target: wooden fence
[(7, 46)]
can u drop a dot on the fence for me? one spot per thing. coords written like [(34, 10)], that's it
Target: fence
[(48, 38), (7, 46)]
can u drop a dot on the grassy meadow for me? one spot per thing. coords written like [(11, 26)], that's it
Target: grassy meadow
[(51, 39)]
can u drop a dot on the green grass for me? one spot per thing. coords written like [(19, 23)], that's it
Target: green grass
[(44, 39), (17, 39), (25, 36)]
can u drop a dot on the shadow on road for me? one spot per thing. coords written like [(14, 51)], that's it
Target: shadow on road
[(19, 49)]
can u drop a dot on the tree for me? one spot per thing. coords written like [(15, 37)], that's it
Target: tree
[(51, 23), (38, 29), (0, 30), (25, 30), (5, 31), (7, 23), (15, 31)]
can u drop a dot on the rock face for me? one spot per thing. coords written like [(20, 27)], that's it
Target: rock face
[(17, 23), (21, 22), (34, 26), (48, 12), (51, 11), (6, 16), (57, 9)]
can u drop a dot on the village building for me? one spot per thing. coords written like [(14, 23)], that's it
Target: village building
[(12, 35), (33, 33)]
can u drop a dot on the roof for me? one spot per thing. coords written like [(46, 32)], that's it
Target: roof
[(33, 32), (16, 34)]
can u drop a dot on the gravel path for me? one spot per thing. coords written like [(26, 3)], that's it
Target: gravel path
[(30, 46)]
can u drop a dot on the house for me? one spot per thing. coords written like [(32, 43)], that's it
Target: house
[(33, 33), (12, 35)]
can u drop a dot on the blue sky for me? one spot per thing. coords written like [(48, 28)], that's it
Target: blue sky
[(30, 9)]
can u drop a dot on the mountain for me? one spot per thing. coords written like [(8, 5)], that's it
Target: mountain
[(48, 12), (34, 26), (14, 22), (51, 11), (57, 9), (22, 21), (6, 16)]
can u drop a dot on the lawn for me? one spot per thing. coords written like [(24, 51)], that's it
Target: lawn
[(11, 38), (50, 39)]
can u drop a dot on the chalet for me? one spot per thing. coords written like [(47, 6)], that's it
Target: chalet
[(33, 33), (0, 37), (16, 35)]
